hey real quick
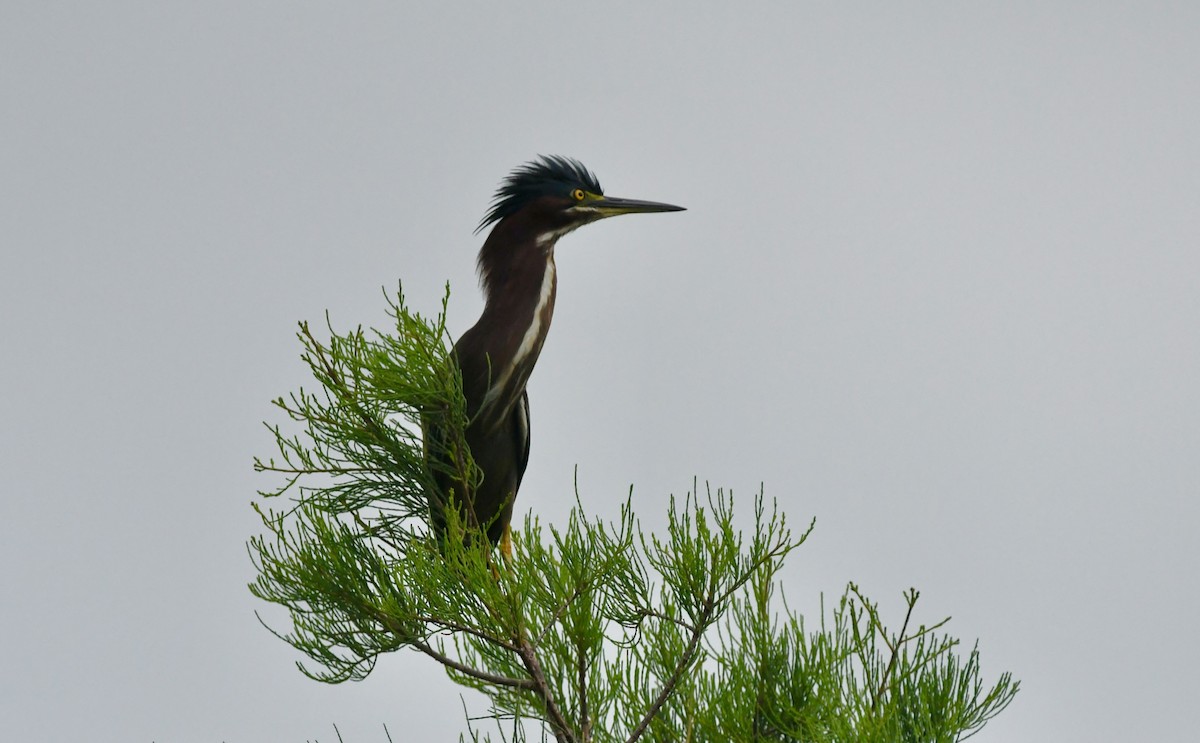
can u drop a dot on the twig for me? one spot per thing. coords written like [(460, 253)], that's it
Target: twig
[(456, 627), (347, 397), (685, 660), (895, 652), (653, 614), (394, 627), (260, 467), (562, 609), (585, 724), (490, 678), (558, 723)]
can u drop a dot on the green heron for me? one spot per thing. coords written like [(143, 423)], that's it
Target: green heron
[(537, 203)]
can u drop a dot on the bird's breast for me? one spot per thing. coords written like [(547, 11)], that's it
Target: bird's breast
[(535, 335), (511, 372)]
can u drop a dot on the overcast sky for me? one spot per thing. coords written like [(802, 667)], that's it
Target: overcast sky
[(938, 286)]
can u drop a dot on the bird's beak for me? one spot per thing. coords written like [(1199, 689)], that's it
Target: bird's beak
[(609, 206)]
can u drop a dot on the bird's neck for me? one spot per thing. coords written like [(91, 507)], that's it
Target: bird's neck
[(520, 291), (518, 310)]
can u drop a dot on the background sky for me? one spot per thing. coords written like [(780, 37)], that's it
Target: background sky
[(938, 286)]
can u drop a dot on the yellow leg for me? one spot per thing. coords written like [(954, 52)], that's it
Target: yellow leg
[(506, 543)]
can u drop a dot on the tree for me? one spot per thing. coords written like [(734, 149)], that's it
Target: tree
[(594, 631)]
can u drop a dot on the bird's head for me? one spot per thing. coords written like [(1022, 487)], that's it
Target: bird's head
[(556, 195)]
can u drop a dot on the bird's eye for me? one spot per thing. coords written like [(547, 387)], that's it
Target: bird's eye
[(577, 194)]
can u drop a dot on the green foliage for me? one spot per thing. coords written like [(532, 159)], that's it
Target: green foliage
[(594, 631)]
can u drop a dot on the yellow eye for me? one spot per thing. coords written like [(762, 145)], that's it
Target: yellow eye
[(577, 194)]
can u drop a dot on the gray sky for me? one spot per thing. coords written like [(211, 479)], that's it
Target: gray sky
[(938, 286)]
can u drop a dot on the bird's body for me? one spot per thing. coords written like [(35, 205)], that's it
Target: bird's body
[(538, 203), (495, 358)]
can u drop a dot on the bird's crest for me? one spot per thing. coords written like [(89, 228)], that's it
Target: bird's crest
[(548, 175)]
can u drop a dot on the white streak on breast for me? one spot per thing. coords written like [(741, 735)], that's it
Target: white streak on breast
[(528, 341), (535, 329)]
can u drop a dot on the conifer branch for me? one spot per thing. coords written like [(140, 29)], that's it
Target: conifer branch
[(587, 626)]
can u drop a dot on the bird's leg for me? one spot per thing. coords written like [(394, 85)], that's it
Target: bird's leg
[(505, 552), (506, 543)]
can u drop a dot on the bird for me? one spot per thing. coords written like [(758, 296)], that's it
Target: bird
[(537, 204)]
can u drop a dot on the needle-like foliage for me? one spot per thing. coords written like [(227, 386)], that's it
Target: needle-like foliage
[(594, 631)]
